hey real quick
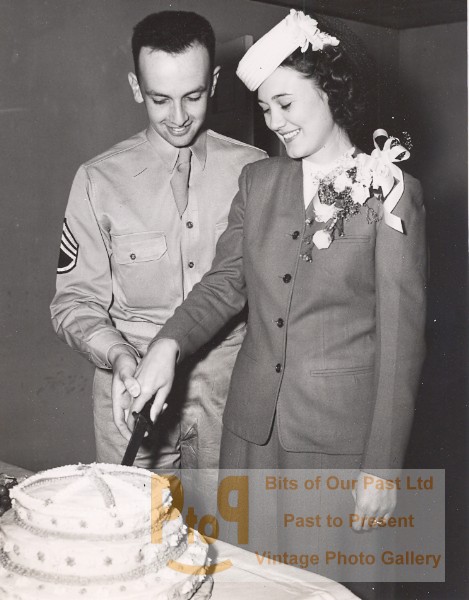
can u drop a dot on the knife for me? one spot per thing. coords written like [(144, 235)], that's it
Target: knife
[(143, 423)]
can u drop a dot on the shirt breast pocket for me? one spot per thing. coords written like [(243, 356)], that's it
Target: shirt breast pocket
[(143, 269)]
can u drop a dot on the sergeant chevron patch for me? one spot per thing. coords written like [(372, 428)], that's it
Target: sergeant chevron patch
[(68, 250)]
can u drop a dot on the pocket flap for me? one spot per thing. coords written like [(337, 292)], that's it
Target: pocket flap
[(352, 239), (138, 247)]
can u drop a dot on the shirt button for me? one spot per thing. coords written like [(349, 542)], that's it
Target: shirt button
[(133, 256), (191, 265), (189, 224), (280, 322), (287, 278), (295, 235), (278, 367)]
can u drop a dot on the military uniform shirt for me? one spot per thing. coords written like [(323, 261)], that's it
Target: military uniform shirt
[(127, 257)]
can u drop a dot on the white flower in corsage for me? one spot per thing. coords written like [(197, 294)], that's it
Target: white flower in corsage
[(322, 239), (342, 182), (325, 212), (348, 187), (359, 193), (364, 175)]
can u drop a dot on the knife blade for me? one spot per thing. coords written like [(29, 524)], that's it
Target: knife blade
[(143, 423)]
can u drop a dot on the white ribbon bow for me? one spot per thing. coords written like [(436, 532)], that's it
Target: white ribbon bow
[(388, 176)]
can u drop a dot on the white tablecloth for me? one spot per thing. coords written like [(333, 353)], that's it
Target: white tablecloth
[(247, 579)]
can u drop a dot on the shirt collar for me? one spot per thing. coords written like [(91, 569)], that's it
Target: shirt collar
[(169, 153), (313, 169)]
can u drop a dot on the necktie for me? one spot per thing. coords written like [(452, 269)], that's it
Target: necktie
[(180, 179)]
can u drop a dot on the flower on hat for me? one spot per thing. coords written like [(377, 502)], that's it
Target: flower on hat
[(306, 28), (297, 30)]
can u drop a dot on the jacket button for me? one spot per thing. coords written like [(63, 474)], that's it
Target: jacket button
[(278, 367), (191, 265), (189, 224), (295, 235), (133, 256), (287, 278), (280, 322)]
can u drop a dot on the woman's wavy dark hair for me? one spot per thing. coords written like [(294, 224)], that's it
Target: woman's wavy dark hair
[(342, 73)]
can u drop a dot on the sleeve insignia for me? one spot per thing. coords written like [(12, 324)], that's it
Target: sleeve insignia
[(68, 250)]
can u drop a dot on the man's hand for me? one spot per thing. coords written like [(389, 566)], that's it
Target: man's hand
[(124, 364), (373, 503), (153, 377)]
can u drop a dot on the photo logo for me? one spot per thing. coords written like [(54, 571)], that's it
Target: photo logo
[(207, 526)]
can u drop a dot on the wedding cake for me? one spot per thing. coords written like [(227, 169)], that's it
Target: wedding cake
[(91, 532)]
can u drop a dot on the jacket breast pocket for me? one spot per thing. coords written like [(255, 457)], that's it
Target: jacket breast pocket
[(143, 268), (349, 261)]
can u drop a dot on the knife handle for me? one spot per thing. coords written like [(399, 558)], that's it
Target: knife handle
[(145, 413)]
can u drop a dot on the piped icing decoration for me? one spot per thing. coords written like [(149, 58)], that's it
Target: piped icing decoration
[(102, 486), (91, 484), (69, 562)]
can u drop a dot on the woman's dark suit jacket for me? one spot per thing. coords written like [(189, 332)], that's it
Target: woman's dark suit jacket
[(335, 346)]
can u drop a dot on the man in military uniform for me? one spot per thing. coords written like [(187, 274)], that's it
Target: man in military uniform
[(140, 229)]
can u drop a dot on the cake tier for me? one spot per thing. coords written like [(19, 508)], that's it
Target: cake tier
[(179, 580), (97, 531), (98, 498), (72, 557)]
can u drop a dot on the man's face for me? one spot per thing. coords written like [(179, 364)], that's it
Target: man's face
[(175, 89)]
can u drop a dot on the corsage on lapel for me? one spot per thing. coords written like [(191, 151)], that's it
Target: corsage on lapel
[(342, 192)]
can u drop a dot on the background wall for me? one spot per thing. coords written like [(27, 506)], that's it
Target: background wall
[(64, 98), (433, 97)]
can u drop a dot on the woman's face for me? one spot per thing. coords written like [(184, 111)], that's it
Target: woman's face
[(298, 112)]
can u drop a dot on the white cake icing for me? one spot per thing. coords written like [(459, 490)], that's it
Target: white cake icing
[(92, 532)]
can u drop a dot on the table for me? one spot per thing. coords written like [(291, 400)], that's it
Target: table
[(246, 578)]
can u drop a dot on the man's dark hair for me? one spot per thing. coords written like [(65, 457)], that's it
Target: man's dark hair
[(174, 32)]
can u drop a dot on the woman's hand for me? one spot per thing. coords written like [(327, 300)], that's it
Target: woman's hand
[(153, 377), (374, 504), (124, 364)]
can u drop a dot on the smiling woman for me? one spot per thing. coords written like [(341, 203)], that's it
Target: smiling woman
[(299, 114), (335, 281)]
